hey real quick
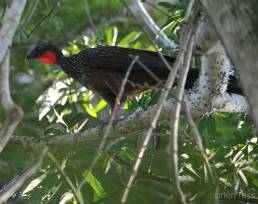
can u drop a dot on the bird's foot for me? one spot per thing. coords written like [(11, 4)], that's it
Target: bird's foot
[(114, 117), (108, 120)]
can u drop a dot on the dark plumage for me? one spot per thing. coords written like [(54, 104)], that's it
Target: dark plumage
[(102, 69)]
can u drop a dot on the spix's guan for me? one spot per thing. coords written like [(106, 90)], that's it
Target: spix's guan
[(102, 70)]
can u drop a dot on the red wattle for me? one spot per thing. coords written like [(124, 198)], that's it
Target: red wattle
[(48, 57)]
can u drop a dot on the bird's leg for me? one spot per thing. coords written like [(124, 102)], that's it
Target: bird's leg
[(116, 110)]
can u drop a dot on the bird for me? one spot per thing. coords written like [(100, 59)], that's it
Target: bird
[(102, 70)]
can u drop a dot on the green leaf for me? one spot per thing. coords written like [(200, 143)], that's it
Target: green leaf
[(131, 37), (95, 184), (34, 183), (243, 177), (166, 5), (111, 36), (102, 104), (89, 110), (50, 97)]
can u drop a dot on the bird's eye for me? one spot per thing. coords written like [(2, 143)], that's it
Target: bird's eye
[(37, 49)]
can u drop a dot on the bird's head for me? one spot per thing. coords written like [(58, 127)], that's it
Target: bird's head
[(46, 53)]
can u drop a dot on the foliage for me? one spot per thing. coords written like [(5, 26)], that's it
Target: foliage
[(56, 105)]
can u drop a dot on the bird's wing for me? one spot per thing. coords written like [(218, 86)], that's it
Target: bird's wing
[(119, 59)]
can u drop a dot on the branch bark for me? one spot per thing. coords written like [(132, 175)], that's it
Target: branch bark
[(210, 93), (236, 25), (10, 23), (161, 38), (14, 113), (123, 128)]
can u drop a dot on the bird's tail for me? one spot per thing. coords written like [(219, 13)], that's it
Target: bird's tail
[(234, 85)]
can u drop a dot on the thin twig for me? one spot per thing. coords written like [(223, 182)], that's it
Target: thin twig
[(67, 179), (43, 19), (176, 118), (189, 36), (32, 10), (160, 36), (13, 186), (189, 10), (154, 76), (167, 65), (88, 15)]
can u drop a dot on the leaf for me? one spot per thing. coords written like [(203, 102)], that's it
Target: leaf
[(102, 104), (111, 36), (50, 97), (34, 183), (243, 177), (189, 169), (55, 190), (82, 125), (131, 37), (168, 23), (89, 110), (128, 153), (238, 156), (54, 129), (166, 5), (254, 140), (95, 184), (107, 164), (68, 196)]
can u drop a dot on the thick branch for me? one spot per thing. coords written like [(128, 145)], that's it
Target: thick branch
[(10, 22), (206, 36), (124, 128), (210, 91), (13, 113), (236, 25)]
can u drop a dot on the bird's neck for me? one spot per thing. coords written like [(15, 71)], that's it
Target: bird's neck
[(70, 67)]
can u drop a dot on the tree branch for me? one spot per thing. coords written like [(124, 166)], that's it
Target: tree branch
[(236, 25), (141, 12), (123, 128), (10, 22), (14, 113), (210, 93), (175, 117), (89, 17), (15, 184)]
